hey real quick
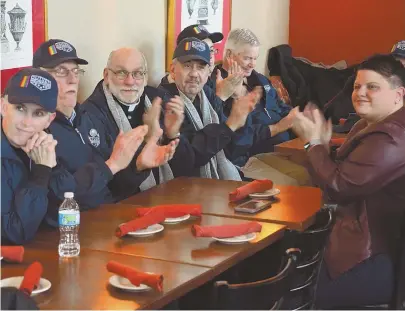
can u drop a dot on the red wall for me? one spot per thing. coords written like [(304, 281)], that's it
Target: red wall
[(331, 30)]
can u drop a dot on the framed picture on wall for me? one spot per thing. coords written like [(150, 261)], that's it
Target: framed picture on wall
[(214, 15), (23, 29)]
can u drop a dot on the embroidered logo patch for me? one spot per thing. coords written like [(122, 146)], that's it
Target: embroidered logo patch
[(41, 83), (199, 46), (400, 46), (267, 88), (63, 46), (94, 138), (187, 47)]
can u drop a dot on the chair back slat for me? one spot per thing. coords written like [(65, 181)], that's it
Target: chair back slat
[(260, 295), (312, 243)]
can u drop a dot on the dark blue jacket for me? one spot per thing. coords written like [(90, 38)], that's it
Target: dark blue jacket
[(215, 137), (270, 109), (84, 170), (24, 196), (96, 106)]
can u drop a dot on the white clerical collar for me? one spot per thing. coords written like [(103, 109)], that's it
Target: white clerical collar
[(131, 107)]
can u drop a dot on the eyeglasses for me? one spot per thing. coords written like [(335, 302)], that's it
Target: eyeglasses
[(64, 72), (214, 51), (123, 74)]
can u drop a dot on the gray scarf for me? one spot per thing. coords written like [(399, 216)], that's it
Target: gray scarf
[(165, 172), (219, 166)]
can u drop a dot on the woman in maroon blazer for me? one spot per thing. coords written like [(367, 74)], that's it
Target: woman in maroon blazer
[(367, 180)]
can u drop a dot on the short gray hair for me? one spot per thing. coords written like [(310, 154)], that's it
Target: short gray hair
[(238, 37)]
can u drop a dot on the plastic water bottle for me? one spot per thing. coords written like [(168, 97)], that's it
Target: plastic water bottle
[(69, 222)]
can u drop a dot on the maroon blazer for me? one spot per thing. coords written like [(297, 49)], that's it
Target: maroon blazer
[(367, 180)]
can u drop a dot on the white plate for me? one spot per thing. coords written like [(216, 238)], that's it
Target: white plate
[(123, 283), (176, 220), (147, 231), (15, 281), (266, 194), (237, 239)]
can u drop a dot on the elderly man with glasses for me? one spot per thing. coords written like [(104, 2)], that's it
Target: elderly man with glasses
[(91, 176), (123, 101), (224, 88)]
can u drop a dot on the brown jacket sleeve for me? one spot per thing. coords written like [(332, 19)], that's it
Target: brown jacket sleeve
[(376, 161)]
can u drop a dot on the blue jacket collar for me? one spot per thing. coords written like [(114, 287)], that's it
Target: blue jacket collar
[(7, 150)]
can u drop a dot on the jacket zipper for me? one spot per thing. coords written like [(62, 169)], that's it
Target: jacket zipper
[(268, 114), (80, 136)]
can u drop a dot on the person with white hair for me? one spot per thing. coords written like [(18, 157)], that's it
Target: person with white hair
[(123, 101), (243, 46), (271, 120)]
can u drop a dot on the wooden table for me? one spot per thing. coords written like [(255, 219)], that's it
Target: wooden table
[(294, 150), (175, 243), (82, 282), (185, 261), (295, 208)]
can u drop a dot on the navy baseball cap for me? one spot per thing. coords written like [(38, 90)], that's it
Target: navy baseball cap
[(399, 49), (33, 86), (192, 49), (54, 52), (199, 32)]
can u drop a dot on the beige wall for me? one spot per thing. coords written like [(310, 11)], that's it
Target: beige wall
[(100, 26), (268, 19)]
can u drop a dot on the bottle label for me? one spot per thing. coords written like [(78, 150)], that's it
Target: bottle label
[(69, 218)]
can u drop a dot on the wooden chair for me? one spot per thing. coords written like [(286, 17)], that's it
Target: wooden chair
[(260, 295)]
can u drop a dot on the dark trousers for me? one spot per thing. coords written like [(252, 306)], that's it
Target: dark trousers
[(371, 282)]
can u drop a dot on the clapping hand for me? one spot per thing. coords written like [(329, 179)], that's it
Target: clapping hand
[(232, 84), (310, 125), (125, 147), (151, 118), (174, 116), (153, 155)]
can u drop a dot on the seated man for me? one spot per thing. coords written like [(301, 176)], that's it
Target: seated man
[(398, 50), (123, 101), (205, 126), (93, 178), (272, 118), (222, 87), (27, 153), (242, 45)]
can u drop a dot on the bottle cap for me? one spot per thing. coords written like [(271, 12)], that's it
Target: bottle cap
[(69, 195)]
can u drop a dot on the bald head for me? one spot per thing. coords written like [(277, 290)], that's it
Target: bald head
[(126, 74), (128, 54)]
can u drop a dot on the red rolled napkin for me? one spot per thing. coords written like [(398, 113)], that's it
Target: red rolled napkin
[(135, 276), (31, 278), (12, 253), (252, 187), (172, 210), (140, 223), (337, 141), (226, 231)]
